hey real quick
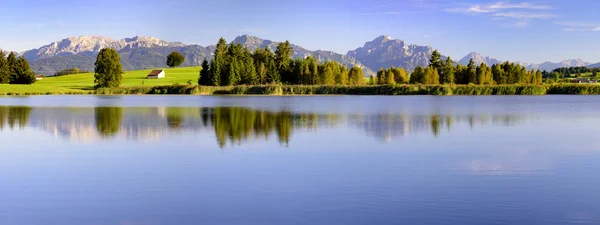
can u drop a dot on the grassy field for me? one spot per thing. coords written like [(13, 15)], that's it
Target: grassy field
[(135, 82), (84, 83)]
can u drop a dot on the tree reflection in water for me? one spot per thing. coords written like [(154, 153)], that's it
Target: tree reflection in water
[(233, 125), (13, 116), (108, 120)]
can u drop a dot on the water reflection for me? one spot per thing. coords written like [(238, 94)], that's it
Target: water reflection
[(18, 115), (389, 126), (230, 125), (108, 120)]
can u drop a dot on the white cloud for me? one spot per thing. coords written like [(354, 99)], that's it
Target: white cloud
[(525, 15), (508, 14), (498, 6), (571, 26)]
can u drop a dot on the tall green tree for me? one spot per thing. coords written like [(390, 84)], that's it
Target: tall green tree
[(204, 78), (389, 77), (283, 58), (471, 72), (217, 65), (381, 76), (400, 75), (248, 71), (175, 59), (341, 75), (232, 76), (12, 67), (356, 76), (431, 76), (447, 72), (4, 69), (108, 71), (484, 75), (261, 58), (326, 75), (418, 76), (435, 60), (22, 72)]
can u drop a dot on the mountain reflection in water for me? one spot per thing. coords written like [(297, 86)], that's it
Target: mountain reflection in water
[(231, 125)]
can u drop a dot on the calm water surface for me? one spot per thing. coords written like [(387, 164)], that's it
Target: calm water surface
[(154, 160)]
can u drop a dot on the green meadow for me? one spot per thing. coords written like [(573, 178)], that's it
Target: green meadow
[(183, 81), (84, 83)]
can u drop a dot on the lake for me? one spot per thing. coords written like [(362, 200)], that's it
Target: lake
[(154, 160)]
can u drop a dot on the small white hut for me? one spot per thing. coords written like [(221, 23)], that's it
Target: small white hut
[(156, 74)]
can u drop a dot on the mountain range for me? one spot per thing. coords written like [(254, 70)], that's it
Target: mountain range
[(548, 66), (148, 52)]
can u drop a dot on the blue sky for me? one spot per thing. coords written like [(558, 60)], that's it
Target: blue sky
[(531, 31)]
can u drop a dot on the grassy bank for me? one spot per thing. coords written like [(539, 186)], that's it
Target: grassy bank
[(577, 89), (177, 79)]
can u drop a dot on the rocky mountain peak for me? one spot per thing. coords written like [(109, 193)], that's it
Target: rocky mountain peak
[(92, 45), (386, 52), (478, 59), (382, 39)]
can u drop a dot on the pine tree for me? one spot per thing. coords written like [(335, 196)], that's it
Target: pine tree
[(298, 67), (108, 71), (435, 61), (204, 78), (23, 72), (447, 72), (232, 76), (471, 73), (283, 58), (12, 67), (4, 70), (248, 70), (218, 63)]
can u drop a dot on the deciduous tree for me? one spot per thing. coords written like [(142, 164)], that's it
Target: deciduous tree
[(175, 59), (108, 71)]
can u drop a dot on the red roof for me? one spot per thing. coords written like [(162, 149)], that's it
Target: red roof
[(155, 72)]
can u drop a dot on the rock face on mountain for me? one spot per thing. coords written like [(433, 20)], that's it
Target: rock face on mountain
[(136, 53), (91, 45), (252, 43), (385, 52), (478, 59)]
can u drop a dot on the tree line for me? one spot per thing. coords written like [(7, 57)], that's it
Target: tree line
[(577, 71), (447, 72), (15, 70), (69, 71), (234, 64)]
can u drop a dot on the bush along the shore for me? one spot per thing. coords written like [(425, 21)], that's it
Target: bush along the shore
[(527, 89)]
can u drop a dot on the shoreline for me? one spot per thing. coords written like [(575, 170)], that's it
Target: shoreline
[(310, 90)]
